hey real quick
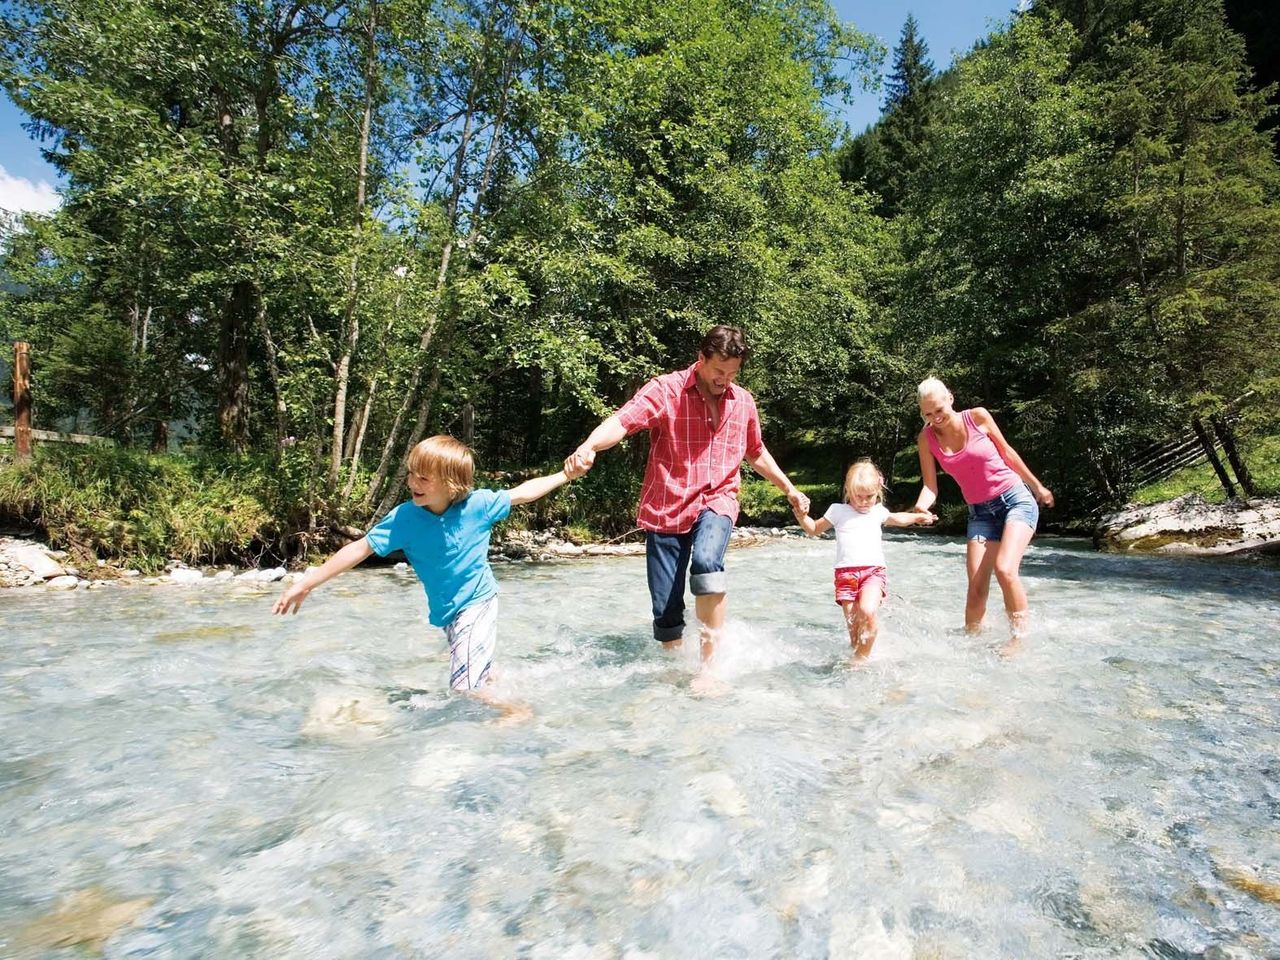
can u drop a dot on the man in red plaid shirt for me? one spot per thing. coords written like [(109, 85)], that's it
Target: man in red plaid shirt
[(701, 426)]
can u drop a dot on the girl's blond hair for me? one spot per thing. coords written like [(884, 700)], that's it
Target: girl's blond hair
[(445, 459), (863, 475)]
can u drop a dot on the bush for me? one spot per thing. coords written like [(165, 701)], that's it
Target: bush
[(103, 501)]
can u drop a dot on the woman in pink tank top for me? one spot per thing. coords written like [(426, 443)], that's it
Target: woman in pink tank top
[(1000, 489)]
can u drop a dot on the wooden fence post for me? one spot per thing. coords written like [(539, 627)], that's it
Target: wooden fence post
[(21, 402)]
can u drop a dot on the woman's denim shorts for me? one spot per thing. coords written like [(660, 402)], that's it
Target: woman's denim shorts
[(987, 519)]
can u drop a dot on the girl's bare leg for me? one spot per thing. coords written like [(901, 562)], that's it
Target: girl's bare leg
[(1008, 563), (869, 598)]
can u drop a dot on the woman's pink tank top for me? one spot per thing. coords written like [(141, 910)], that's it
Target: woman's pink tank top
[(977, 466)]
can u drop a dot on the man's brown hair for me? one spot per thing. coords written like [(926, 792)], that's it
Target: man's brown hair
[(445, 459), (728, 342)]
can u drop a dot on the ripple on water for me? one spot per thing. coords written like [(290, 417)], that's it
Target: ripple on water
[(199, 779)]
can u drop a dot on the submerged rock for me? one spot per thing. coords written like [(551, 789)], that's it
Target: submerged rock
[(86, 917), (1192, 527)]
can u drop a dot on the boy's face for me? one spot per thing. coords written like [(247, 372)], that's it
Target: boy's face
[(426, 490)]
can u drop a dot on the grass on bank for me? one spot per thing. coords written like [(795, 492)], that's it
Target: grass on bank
[(145, 509), (1261, 455)]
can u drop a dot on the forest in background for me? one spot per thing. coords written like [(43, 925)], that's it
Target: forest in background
[(298, 237)]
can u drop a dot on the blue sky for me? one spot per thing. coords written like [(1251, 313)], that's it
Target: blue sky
[(949, 27)]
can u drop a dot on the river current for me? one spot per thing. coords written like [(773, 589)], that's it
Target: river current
[(183, 775)]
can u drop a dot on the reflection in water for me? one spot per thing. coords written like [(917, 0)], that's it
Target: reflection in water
[(185, 776)]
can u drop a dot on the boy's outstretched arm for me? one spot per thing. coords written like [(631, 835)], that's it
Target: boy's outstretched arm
[(355, 552), (539, 487), (909, 518)]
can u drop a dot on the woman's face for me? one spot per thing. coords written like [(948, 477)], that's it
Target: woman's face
[(935, 408)]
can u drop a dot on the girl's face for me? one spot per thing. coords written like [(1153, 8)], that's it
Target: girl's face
[(936, 409), (863, 500)]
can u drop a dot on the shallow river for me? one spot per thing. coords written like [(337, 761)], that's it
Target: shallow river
[(181, 775)]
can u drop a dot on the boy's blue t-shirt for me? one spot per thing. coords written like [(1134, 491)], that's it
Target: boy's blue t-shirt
[(449, 551)]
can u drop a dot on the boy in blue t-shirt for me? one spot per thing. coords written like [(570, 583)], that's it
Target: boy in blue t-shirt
[(444, 531)]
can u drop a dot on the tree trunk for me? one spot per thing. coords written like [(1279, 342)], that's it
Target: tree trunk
[(233, 366), (351, 316), (1212, 454), (1227, 437)]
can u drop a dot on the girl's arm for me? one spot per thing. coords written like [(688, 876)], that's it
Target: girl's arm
[(909, 518), (355, 552), (987, 424), (814, 528), (928, 495), (539, 487)]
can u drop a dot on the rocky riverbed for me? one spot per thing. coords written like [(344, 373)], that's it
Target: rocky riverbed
[(26, 562)]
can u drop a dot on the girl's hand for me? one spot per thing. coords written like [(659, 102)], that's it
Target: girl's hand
[(1044, 496), (924, 518), (291, 600)]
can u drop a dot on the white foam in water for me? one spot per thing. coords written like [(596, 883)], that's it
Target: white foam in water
[(308, 787)]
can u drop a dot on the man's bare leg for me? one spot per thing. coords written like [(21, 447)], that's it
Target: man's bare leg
[(710, 609)]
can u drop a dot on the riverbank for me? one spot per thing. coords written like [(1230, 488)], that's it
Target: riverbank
[(27, 562), (1191, 526)]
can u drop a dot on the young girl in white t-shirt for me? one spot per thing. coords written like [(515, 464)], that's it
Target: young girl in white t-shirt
[(861, 580)]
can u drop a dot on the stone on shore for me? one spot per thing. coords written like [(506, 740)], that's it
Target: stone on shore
[(37, 561), (63, 583), (1189, 526), (185, 575)]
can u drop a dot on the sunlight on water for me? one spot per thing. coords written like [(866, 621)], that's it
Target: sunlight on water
[(181, 775)]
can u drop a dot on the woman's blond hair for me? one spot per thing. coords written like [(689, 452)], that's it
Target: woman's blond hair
[(445, 459), (932, 387), (863, 475)]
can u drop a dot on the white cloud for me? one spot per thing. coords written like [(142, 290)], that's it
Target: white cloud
[(20, 195)]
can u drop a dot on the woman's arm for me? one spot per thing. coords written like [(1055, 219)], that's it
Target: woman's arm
[(987, 424), (928, 494), (909, 518)]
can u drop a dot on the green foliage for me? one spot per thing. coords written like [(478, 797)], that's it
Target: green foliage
[(143, 508)]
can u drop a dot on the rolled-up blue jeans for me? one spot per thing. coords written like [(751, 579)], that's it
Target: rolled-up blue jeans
[(668, 555)]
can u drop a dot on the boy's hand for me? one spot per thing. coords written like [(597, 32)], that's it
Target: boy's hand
[(291, 600)]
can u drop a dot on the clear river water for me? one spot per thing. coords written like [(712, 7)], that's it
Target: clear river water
[(182, 775)]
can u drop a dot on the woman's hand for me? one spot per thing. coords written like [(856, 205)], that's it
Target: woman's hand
[(1043, 495)]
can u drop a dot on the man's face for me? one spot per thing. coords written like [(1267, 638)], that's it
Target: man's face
[(717, 372)]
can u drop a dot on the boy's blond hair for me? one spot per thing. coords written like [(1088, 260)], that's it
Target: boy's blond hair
[(445, 459), (863, 475)]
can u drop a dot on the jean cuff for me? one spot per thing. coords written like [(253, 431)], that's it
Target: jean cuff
[(664, 634), (717, 581)]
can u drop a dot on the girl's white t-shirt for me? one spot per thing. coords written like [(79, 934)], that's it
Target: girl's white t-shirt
[(858, 541)]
